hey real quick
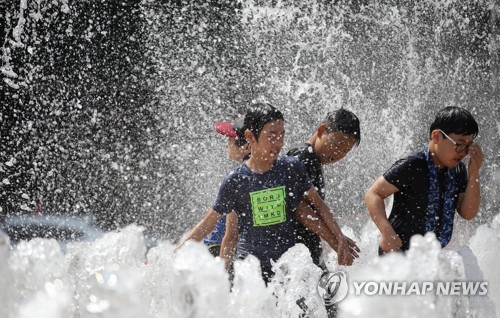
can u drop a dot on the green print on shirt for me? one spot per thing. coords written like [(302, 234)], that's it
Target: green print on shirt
[(268, 206)]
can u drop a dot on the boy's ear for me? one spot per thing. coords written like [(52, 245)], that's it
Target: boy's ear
[(249, 136), (321, 130), (435, 135)]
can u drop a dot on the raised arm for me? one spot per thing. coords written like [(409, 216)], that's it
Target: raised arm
[(344, 255), (374, 199), (468, 202), (202, 229), (230, 240)]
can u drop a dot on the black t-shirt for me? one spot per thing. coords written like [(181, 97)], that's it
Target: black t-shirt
[(314, 169), (411, 176)]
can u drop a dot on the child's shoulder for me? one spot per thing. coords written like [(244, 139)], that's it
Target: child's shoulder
[(238, 173), (288, 160), (418, 158), (304, 153), (414, 161), (298, 150), (290, 163)]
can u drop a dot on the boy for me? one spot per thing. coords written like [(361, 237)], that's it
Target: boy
[(237, 150), (336, 135), (237, 146), (429, 186), (261, 197)]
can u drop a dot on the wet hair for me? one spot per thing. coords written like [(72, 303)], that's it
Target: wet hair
[(240, 132), (455, 120), (258, 115), (344, 121)]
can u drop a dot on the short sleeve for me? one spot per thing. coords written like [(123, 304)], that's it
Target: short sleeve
[(226, 199), (302, 178), (404, 172)]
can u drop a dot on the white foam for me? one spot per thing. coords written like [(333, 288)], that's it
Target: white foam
[(6, 279), (485, 245), (296, 279), (108, 278), (250, 297)]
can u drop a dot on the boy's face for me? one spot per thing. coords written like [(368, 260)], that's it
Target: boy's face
[(445, 149), (235, 152), (270, 141), (334, 146)]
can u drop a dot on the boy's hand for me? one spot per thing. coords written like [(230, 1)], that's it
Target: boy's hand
[(476, 156), (390, 242), (343, 252), (353, 248)]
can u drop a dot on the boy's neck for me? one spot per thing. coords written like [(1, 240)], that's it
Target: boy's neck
[(259, 165), (432, 152)]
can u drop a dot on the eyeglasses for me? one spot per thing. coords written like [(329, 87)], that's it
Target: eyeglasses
[(458, 147)]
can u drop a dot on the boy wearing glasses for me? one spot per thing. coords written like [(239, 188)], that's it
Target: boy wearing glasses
[(431, 185)]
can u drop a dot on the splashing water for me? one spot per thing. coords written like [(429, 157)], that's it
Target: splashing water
[(108, 278), (113, 103), (119, 123)]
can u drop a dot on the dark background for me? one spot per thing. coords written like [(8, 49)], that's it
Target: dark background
[(111, 107)]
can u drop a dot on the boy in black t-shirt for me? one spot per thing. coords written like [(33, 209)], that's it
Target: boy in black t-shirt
[(431, 185), (333, 139)]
